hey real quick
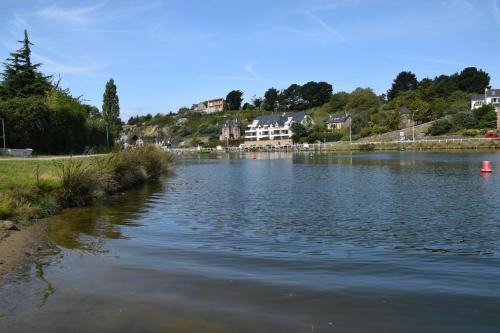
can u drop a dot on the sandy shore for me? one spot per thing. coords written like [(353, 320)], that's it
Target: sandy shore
[(17, 247)]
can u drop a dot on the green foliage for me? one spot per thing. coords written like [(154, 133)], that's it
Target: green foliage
[(299, 131), (41, 115), (472, 80), (234, 99), (439, 127), (405, 81), (21, 78), (338, 102), (271, 99), (472, 132), (6, 207), (111, 108), (27, 122), (79, 182)]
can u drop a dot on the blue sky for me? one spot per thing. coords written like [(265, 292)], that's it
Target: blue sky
[(172, 53)]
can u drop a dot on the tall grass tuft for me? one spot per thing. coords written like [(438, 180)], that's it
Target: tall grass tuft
[(79, 182), (84, 180)]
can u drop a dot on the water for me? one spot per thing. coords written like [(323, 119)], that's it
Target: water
[(376, 242)]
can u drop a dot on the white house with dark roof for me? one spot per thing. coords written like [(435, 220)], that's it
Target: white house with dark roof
[(273, 129), (490, 97), (338, 122)]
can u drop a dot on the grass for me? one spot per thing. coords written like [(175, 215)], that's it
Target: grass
[(30, 190), (470, 144)]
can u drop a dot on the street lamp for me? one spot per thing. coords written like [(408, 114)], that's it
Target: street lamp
[(3, 134), (350, 128), (413, 124)]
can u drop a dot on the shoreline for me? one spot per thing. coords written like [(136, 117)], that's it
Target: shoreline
[(18, 247), (28, 200)]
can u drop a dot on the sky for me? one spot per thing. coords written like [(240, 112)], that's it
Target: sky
[(165, 54)]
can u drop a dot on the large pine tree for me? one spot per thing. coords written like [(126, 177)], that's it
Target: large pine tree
[(21, 78)]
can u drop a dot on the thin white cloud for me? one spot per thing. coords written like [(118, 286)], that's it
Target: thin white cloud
[(74, 15), (425, 59), (59, 68), (19, 22), (245, 78), (250, 70), (496, 10), (325, 26)]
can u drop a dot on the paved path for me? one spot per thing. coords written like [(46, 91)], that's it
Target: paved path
[(47, 158)]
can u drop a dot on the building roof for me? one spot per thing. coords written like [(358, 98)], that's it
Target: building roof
[(489, 93), (477, 97), (337, 119), (216, 100), (404, 109), (280, 119), (492, 93)]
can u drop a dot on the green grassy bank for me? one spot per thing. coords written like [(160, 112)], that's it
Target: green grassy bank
[(31, 189), (417, 146)]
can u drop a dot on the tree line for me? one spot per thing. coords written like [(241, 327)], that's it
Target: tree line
[(294, 98), (41, 115)]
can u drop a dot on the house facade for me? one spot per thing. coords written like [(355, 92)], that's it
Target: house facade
[(273, 129), (231, 131), (338, 122), (200, 107), (490, 97), (215, 105)]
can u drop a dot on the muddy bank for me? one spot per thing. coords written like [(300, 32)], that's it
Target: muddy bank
[(18, 246)]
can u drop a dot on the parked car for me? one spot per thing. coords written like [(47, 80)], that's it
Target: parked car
[(492, 135)]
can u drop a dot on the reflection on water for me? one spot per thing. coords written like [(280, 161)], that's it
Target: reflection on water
[(259, 242), (85, 228)]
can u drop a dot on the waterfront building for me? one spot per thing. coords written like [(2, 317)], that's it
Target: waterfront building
[(338, 122), (231, 131), (490, 97), (273, 129), (215, 105)]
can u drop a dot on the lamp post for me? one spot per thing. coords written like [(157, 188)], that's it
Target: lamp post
[(350, 129), (413, 124), (3, 134)]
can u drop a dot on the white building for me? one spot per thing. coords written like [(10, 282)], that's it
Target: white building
[(273, 129), (490, 96), (338, 122)]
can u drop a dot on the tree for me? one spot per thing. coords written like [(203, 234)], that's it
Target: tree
[(338, 102), (271, 99), (257, 101), (316, 93), (298, 131), (292, 97), (111, 108), (234, 99), (21, 78), (472, 80), (363, 103), (405, 81)]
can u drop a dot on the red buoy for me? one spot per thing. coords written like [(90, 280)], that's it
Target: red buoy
[(486, 166)]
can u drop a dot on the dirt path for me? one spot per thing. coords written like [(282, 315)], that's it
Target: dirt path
[(17, 247)]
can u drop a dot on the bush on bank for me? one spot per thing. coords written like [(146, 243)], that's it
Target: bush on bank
[(82, 181)]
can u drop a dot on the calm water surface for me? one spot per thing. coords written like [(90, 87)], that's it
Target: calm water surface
[(379, 242)]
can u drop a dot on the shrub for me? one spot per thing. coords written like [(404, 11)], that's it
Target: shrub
[(471, 132), (439, 127)]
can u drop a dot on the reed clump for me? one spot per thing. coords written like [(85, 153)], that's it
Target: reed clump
[(76, 182)]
